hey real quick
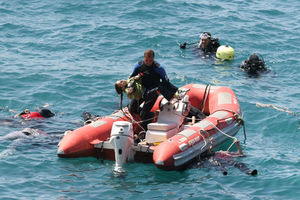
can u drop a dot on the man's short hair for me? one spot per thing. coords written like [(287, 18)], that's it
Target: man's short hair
[(149, 53)]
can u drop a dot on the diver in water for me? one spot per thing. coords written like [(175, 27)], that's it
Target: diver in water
[(254, 65), (40, 113), (207, 44), (221, 160)]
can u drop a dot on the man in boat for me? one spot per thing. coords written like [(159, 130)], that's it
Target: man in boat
[(154, 81), (253, 65), (207, 44), (221, 160)]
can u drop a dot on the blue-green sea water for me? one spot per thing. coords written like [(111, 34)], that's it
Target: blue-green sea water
[(69, 54)]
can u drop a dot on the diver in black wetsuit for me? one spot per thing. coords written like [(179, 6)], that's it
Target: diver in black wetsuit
[(207, 45), (254, 65)]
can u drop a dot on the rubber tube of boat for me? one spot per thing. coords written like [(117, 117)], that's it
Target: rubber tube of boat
[(122, 141)]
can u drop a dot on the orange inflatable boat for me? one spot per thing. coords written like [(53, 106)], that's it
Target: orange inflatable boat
[(172, 139)]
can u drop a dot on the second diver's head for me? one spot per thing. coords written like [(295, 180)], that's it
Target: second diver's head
[(253, 59), (149, 57), (205, 39), (255, 63)]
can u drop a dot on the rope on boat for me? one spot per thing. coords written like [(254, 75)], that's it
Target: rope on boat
[(204, 139), (231, 145), (232, 137), (128, 115), (238, 118), (206, 93)]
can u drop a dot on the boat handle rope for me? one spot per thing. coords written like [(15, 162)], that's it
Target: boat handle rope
[(204, 139), (238, 118), (206, 93), (232, 137), (231, 144)]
